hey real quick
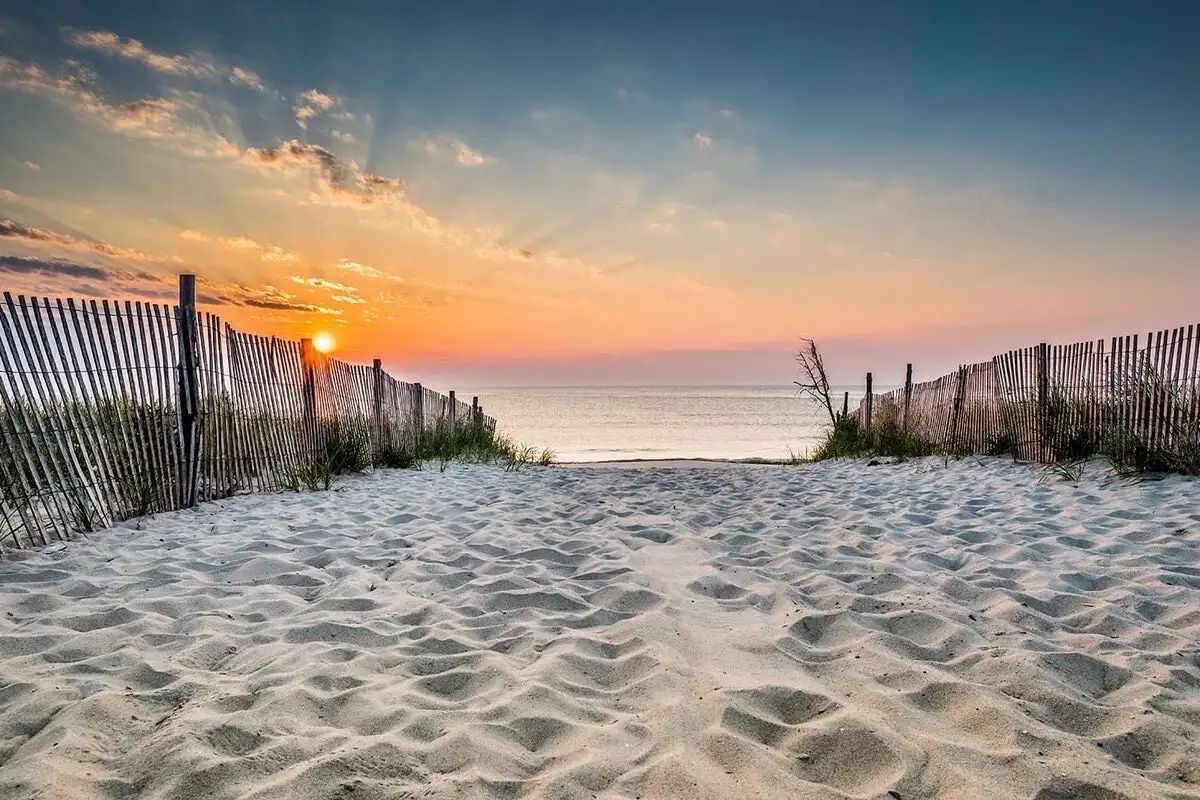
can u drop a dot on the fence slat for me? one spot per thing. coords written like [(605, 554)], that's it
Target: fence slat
[(72, 414), (85, 416), (27, 436)]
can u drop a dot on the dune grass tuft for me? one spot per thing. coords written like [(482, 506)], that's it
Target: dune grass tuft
[(846, 438), (442, 445)]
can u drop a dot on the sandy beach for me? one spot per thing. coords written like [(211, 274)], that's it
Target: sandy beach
[(922, 630)]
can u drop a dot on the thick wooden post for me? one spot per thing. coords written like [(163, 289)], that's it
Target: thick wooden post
[(308, 393), (453, 411), (907, 395), (377, 401), (188, 330), (870, 402), (845, 404), (475, 412)]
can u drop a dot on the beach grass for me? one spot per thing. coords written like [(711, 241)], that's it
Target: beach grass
[(846, 437), (91, 463), (1071, 437)]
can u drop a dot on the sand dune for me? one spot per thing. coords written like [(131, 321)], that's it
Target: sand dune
[(709, 631)]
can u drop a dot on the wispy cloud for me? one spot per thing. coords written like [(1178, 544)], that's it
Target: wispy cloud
[(296, 155), (191, 66), (54, 268), (247, 78), (266, 252), (275, 299), (111, 44), (11, 229), (366, 270), (149, 118), (32, 165), (312, 104), (702, 141), (464, 155), (342, 183), (321, 283), (446, 144)]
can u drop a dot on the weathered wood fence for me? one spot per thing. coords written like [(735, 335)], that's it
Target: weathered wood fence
[(113, 410), (1055, 402)]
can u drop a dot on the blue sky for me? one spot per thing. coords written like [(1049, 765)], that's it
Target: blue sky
[(560, 183)]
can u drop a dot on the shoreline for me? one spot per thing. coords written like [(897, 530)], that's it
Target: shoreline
[(676, 462)]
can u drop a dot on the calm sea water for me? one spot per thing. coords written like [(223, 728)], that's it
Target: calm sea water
[(599, 424)]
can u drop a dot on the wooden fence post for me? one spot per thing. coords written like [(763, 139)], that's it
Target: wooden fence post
[(308, 393), (960, 395), (870, 403), (419, 412), (453, 411), (475, 412), (377, 386), (189, 389), (1043, 398), (845, 404), (907, 396)]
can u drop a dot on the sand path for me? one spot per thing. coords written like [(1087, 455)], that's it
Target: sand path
[(710, 631)]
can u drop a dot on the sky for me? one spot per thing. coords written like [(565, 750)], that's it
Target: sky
[(662, 192)]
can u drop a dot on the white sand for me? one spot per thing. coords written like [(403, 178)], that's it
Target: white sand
[(714, 632)]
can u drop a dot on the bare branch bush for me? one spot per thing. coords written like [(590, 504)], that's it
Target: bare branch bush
[(814, 382)]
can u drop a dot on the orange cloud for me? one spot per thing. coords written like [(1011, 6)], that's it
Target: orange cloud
[(321, 283), (312, 104), (11, 229), (266, 252)]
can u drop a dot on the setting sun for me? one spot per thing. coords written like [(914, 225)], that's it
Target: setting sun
[(323, 342)]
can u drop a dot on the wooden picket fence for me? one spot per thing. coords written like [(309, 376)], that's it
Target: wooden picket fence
[(112, 410), (1055, 402)]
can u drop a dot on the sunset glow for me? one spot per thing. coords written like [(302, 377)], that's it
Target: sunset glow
[(323, 342), (542, 197)]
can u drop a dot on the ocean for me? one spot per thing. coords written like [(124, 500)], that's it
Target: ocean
[(616, 423)]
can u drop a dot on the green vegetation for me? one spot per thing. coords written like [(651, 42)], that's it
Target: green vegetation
[(846, 438), (1076, 430), (83, 465), (1143, 425), (467, 444), (1135, 456), (1069, 443), (346, 450), (1000, 444), (1066, 471)]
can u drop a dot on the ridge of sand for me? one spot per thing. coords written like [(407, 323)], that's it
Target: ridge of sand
[(830, 631)]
